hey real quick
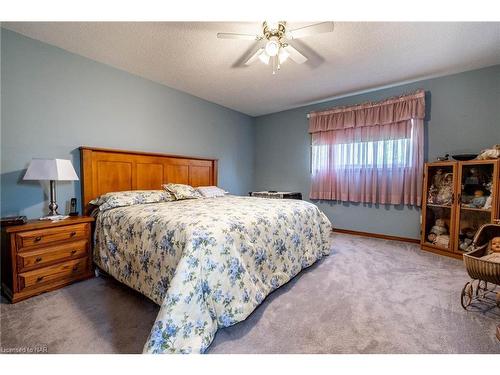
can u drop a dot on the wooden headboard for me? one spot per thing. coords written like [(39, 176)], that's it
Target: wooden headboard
[(106, 170)]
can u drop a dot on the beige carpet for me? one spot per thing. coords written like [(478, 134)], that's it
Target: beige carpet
[(368, 296)]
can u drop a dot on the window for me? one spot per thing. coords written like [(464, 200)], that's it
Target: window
[(369, 153), (393, 153)]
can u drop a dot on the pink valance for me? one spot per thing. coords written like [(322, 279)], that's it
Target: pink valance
[(389, 111)]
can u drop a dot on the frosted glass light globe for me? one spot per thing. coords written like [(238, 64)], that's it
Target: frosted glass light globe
[(272, 47)]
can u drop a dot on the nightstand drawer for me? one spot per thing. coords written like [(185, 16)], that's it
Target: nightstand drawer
[(27, 260), (45, 275), (46, 236)]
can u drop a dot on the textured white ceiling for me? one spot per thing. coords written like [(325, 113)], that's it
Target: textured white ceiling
[(356, 56)]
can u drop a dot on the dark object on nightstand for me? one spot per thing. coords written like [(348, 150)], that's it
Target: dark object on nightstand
[(276, 194), (12, 220), (72, 209), (42, 255)]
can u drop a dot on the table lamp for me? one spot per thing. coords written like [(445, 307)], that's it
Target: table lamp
[(52, 170)]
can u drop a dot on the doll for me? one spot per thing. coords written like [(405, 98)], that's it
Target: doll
[(489, 198), (439, 228), (445, 193), (465, 243), (437, 179), (442, 240), (494, 252), (479, 199), (431, 197), (466, 237), (487, 203), (468, 232), (473, 177), (491, 153), (495, 245)]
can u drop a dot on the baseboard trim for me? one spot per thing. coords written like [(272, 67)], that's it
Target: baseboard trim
[(376, 235)]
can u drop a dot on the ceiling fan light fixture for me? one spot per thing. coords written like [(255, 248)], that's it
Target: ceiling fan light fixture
[(272, 47), (264, 57), (272, 25)]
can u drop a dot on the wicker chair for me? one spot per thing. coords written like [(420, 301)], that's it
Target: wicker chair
[(481, 271)]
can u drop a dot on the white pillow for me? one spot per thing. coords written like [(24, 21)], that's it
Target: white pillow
[(211, 191)]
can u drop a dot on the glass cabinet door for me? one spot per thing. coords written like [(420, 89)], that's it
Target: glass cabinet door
[(439, 206), (476, 200)]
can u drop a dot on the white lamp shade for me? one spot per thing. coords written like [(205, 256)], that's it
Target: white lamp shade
[(51, 169)]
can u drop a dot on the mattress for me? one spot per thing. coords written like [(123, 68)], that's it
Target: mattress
[(207, 262)]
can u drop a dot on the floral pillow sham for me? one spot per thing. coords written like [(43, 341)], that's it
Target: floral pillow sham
[(181, 191), (211, 191), (129, 198)]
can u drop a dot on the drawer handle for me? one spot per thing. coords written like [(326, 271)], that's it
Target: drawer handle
[(75, 268), (73, 252), (39, 278), (38, 239), (72, 234), (39, 259)]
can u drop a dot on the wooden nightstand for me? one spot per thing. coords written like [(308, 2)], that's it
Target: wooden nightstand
[(41, 255)]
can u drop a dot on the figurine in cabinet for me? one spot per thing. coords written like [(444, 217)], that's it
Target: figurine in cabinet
[(432, 237), (442, 240), (445, 191), (478, 201), (437, 179), (465, 243), (438, 235), (489, 198), (431, 195), (459, 198), (466, 237), (439, 228)]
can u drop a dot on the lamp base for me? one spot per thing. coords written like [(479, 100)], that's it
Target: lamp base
[(53, 205), (53, 210)]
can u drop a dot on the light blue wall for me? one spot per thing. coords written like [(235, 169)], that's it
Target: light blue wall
[(54, 101), (463, 116)]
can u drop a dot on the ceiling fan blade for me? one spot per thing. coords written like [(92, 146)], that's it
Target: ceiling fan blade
[(317, 28), (295, 55), (254, 56), (237, 36)]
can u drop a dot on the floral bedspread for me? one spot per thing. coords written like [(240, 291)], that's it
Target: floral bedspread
[(208, 262)]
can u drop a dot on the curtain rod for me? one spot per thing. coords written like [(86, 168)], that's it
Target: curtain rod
[(373, 103)]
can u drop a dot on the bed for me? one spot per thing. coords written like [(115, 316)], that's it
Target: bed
[(207, 262)]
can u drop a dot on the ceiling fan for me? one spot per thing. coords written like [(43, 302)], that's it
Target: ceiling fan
[(274, 44)]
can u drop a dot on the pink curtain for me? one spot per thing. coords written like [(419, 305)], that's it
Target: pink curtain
[(370, 153)]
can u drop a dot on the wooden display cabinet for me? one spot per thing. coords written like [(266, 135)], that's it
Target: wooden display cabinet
[(458, 198)]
